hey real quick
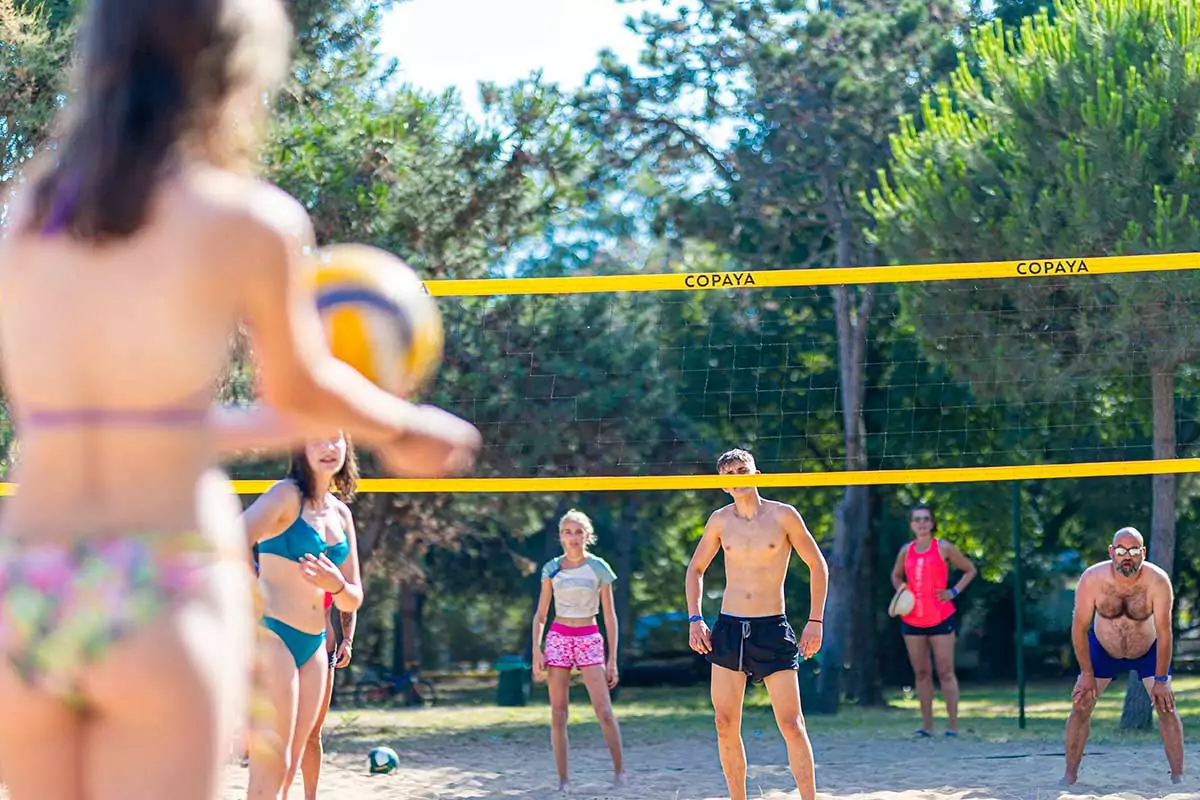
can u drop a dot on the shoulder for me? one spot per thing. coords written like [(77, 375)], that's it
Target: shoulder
[(1158, 575), (257, 214), (1094, 576), (599, 563), (344, 511), (904, 548), (717, 518), (946, 548), (281, 500), (284, 491), (785, 512), (550, 567)]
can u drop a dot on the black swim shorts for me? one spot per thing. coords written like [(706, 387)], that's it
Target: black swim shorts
[(757, 646), (944, 628)]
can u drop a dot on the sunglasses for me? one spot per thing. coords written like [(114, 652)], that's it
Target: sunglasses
[(1122, 552), (922, 519)]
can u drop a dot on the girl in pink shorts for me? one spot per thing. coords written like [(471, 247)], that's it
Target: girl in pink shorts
[(580, 584)]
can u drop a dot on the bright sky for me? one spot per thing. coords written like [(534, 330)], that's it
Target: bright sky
[(457, 43)]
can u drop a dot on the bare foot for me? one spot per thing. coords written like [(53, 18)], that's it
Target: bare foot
[(1068, 780), (1176, 778), (619, 779)]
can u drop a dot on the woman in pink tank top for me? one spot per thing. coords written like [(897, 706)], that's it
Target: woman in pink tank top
[(923, 567)]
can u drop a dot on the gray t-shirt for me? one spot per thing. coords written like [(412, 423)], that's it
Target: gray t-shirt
[(577, 589)]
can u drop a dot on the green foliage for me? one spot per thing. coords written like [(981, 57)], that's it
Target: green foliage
[(1076, 139), (35, 43)]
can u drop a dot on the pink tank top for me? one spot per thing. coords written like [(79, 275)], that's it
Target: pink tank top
[(927, 574)]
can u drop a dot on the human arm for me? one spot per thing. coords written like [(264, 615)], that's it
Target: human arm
[(960, 562), (1163, 606), (539, 626), (805, 545), (247, 429), (693, 583), (610, 629), (1081, 622), (345, 651), (344, 583), (299, 375), (898, 575), (271, 512)]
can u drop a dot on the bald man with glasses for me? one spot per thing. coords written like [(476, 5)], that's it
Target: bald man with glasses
[(1122, 623)]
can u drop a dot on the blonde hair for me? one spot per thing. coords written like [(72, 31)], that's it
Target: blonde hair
[(584, 521)]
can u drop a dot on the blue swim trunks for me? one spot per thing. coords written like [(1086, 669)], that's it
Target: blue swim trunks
[(1107, 666)]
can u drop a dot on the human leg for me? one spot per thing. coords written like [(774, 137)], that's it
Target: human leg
[(728, 690), (309, 697), (943, 659), (314, 749), (113, 679), (596, 680), (1170, 728), (271, 740), (40, 741), (559, 684), (784, 689), (1079, 727), (919, 658)]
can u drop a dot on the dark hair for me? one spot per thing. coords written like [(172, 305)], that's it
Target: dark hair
[(925, 507), (155, 82), (345, 480), (735, 456)]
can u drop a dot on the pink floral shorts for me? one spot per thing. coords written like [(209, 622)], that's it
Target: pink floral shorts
[(568, 647)]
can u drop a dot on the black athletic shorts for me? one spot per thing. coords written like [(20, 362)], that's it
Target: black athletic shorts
[(757, 646), (946, 626)]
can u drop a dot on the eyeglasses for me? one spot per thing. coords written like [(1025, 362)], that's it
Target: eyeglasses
[(1122, 552), (922, 519)]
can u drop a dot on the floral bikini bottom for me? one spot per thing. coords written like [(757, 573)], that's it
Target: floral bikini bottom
[(63, 606)]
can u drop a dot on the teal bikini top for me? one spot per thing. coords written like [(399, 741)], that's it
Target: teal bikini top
[(301, 539)]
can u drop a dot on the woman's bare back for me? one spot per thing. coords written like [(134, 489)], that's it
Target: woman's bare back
[(134, 328)]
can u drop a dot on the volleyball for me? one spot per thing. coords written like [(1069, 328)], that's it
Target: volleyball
[(383, 760), (377, 315)]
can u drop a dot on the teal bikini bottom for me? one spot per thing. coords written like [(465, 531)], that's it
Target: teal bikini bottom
[(302, 645)]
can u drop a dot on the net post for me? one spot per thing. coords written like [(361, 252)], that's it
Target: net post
[(1018, 602)]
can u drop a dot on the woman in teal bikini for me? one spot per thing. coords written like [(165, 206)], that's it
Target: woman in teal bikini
[(306, 550), (132, 250)]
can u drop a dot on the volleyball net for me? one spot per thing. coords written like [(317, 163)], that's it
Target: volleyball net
[(1005, 370), (982, 371)]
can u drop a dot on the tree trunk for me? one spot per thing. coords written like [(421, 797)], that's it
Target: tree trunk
[(408, 628), (551, 548), (622, 592), (851, 521), (864, 687), (1136, 714)]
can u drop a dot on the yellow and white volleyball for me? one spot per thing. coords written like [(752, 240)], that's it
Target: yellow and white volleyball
[(378, 316), (902, 602)]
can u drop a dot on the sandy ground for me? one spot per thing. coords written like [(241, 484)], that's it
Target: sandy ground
[(686, 768)]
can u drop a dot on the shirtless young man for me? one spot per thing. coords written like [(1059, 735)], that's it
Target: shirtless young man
[(1123, 622), (752, 637)]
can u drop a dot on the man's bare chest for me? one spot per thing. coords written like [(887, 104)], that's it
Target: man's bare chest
[(749, 542), (1132, 604)]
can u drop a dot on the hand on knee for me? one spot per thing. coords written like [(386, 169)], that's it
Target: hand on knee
[(1083, 707)]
